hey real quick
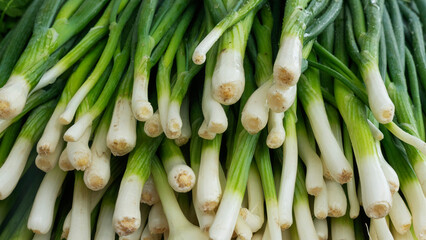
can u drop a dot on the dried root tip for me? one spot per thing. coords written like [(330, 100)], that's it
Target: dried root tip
[(142, 110), (181, 178), (126, 226), (13, 97), (288, 64), (204, 132), (64, 162), (378, 209), (228, 77), (120, 147), (280, 99), (152, 126)]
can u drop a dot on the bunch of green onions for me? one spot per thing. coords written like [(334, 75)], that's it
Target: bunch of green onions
[(214, 119)]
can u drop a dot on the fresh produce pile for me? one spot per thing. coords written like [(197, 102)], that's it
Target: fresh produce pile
[(214, 119)]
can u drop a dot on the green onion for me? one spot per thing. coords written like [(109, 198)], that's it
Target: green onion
[(336, 199), (410, 185), (103, 226), (80, 218), (41, 217), (243, 150), (310, 95), (366, 33), (127, 217), (97, 175), (208, 185), (263, 161), (302, 213), (157, 222), (14, 165), (314, 172), (180, 176), (400, 214)]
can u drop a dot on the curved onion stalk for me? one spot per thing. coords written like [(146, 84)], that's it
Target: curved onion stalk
[(342, 228), (209, 190), (120, 59), (400, 215), (228, 21), (138, 233), (97, 175), (180, 176), (310, 94), (321, 203), (337, 202), (243, 151), (376, 198), (297, 16), (54, 129), (204, 219), (79, 153), (228, 78), (289, 170), (149, 36), (127, 214), (49, 161), (302, 213), (116, 28), (254, 214), (314, 172), (49, 35), (179, 226), (80, 212), (121, 138), (157, 221), (276, 132), (13, 167), (350, 186), (41, 216), (321, 228), (366, 34), (12, 133), (95, 33), (152, 126), (213, 112), (263, 161), (410, 185), (149, 192), (64, 162), (163, 76), (104, 231), (254, 116)]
